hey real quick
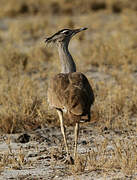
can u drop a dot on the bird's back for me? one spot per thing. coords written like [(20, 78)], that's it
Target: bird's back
[(72, 94)]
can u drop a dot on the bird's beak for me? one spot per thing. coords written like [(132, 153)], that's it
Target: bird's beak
[(79, 30)]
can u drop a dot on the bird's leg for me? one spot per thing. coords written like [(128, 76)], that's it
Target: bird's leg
[(76, 139), (69, 159), (60, 113)]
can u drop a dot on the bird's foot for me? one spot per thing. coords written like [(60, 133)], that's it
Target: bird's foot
[(69, 160)]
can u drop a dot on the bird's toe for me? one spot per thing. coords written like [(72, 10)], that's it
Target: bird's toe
[(69, 160)]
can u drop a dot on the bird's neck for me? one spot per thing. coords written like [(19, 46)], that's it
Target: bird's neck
[(67, 63)]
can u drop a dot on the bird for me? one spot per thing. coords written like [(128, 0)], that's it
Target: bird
[(69, 92)]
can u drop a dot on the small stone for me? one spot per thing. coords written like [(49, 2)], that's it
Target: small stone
[(105, 128), (24, 138), (84, 142)]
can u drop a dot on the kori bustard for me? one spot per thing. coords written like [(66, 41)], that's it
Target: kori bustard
[(69, 91)]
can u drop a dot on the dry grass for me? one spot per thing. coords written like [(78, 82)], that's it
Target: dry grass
[(68, 7), (109, 157), (107, 53)]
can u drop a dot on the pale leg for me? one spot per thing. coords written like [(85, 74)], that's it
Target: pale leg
[(60, 113), (76, 139)]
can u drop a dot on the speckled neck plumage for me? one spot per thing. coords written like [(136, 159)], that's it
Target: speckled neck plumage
[(67, 63)]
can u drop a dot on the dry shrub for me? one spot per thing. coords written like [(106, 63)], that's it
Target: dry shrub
[(23, 80), (28, 31), (116, 155), (14, 8), (80, 164), (13, 61), (11, 159), (122, 156), (116, 107), (19, 104), (108, 53), (22, 107)]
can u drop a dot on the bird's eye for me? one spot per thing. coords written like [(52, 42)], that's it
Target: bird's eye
[(65, 32)]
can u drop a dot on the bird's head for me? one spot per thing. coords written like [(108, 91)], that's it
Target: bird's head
[(63, 36)]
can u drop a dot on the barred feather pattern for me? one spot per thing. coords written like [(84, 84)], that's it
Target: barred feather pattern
[(71, 93)]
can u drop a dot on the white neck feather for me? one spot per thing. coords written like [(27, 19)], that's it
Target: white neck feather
[(67, 63)]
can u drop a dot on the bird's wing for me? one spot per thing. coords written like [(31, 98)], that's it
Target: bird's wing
[(81, 94), (56, 90), (71, 91)]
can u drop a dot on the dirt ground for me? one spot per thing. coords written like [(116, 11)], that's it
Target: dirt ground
[(43, 156)]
